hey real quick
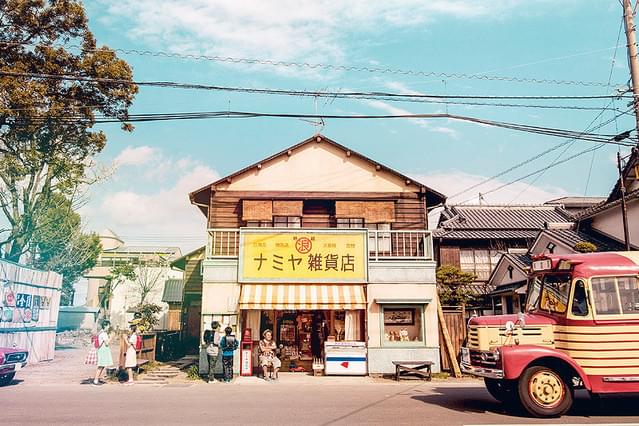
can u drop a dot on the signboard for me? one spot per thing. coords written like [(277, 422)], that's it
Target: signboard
[(297, 256)]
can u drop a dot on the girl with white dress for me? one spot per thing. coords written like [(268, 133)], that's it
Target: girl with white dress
[(131, 359)]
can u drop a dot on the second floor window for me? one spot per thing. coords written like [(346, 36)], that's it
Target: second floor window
[(287, 222), (379, 238), (259, 223), (350, 222), (478, 261)]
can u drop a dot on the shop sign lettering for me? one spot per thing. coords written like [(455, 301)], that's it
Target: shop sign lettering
[(312, 256)]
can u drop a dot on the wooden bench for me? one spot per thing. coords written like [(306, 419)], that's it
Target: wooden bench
[(413, 368)]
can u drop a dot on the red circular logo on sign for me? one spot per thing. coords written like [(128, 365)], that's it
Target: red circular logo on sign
[(303, 245)]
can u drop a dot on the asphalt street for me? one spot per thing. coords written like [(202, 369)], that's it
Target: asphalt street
[(436, 403)]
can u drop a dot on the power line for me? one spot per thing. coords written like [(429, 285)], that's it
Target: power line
[(329, 67), (601, 138), (317, 93), (533, 158)]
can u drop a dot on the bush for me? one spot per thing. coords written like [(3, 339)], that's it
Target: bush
[(193, 373), (585, 247), (453, 285), (148, 315)]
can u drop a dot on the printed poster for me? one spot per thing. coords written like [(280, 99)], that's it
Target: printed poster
[(23, 301)]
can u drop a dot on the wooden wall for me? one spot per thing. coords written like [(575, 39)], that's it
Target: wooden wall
[(226, 208), (456, 323)]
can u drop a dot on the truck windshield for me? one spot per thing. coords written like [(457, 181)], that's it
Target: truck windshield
[(549, 292)]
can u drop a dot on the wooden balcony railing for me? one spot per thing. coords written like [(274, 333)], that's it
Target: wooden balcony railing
[(383, 245)]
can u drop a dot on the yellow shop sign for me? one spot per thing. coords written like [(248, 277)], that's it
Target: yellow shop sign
[(303, 256)]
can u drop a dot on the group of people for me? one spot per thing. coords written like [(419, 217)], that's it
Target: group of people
[(105, 357), (214, 342)]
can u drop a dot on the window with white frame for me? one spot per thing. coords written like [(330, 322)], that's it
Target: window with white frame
[(287, 222)]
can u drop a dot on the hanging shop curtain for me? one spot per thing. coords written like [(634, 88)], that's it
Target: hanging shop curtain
[(298, 296), (352, 326), (253, 318)]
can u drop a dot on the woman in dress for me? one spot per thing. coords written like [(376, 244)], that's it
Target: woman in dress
[(105, 359), (131, 359), (267, 355)]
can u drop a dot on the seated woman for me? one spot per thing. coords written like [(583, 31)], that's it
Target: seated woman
[(267, 354)]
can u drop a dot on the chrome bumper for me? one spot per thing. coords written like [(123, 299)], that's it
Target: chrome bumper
[(482, 372)]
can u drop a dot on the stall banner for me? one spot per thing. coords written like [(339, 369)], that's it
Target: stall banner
[(303, 256), (23, 301)]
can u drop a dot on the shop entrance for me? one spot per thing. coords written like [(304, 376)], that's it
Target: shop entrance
[(301, 335)]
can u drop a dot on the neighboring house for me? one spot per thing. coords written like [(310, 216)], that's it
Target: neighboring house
[(173, 296), (574, 205), (606, 217), (319, 241), (151, 263), (473, 237), (191, 266)]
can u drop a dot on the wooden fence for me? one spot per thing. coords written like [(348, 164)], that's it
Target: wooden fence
[(456, 323)]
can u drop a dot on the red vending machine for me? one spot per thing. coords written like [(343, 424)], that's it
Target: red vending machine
[(246, 354)]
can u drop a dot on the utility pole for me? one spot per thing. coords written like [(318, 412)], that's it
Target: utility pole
[(624, 210), (633, 60), (631, 37)]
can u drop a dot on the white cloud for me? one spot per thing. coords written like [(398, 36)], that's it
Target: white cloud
[(143, 218), (423, 123), (132, 156), (308, 30)]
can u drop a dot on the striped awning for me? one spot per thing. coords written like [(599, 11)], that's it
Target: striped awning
[(299, 296)]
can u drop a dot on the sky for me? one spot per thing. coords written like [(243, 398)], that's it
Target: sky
[(145, 198)]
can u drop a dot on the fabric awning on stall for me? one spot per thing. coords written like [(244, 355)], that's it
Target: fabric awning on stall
[(298, 296)]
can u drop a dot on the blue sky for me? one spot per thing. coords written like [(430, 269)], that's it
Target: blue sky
[(145, 199)]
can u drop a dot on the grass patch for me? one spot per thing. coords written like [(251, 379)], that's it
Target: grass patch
[(443, 375), (193, 373)]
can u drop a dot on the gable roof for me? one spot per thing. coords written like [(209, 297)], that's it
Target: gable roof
[(606, 205), (570, 237), (501, 222), (201, 197)]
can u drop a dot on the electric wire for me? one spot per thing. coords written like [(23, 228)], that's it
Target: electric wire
[(327, 67)]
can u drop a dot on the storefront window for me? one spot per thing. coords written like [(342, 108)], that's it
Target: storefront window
[(402, 325)]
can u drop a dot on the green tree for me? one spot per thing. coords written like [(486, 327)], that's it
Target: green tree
[(453, 285), (47, 140), (61, 246)]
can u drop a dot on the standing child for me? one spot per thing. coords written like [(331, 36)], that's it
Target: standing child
[(131, 359), (228, 344), (105, 359)]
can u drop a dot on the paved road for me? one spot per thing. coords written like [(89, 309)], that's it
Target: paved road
[(434, 403)]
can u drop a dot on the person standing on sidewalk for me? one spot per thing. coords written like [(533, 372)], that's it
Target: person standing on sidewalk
[(228, 344), (212, 339), (131, 358), (105, 358)]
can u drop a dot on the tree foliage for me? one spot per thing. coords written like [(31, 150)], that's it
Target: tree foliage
[(453, 285), (42, 152), (149, 316), (585, 247), (61, 246)]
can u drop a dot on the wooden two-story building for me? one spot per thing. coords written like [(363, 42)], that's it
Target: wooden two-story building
[(329, 250)]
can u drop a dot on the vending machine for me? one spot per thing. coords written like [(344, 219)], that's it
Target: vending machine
[(345, 358)]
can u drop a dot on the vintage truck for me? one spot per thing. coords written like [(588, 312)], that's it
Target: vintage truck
[(580, 330), (11, 361)]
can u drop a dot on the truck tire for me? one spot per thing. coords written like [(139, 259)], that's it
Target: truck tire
[(501, 389), (544, 393), (6, 379)]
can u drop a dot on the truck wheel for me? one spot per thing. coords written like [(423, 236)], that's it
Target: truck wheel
[(544, 393), (502, 390), (6, 379)]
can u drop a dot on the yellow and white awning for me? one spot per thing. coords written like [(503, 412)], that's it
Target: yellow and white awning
[(301, 296)]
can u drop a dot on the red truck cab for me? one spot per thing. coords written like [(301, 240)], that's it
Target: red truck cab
[(11, 361), (580, 329)]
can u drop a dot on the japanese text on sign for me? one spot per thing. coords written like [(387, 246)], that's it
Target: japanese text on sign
[(312, 256)]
